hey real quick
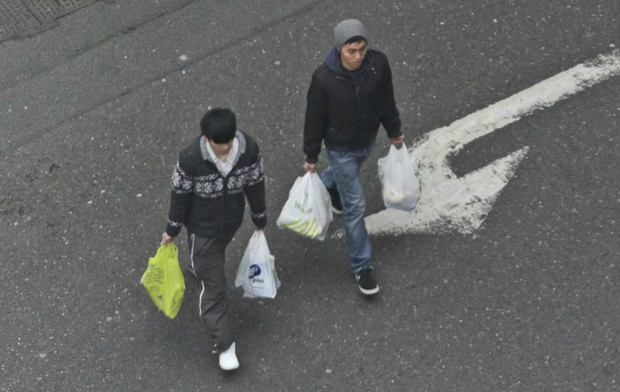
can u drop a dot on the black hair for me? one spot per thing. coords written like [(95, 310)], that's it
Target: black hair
[(219, 125), (356, 38)]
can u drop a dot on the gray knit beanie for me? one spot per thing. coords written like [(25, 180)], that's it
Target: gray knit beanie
[(347, 29)]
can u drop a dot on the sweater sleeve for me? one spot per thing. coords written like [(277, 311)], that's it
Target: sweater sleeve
[(316, 120), (255, 193), (390, 117), (180, 200)]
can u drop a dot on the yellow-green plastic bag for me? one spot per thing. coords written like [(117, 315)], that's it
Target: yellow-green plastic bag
[(163, 279)]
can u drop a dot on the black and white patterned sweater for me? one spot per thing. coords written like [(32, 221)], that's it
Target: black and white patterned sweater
[(209, 204)]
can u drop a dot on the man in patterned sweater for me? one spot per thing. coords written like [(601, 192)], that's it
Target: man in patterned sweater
[(213, 177)]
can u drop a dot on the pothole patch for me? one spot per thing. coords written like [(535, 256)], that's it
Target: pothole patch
[(25, 18)]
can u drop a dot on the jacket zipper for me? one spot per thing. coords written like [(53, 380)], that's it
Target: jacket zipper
[(224, 200), (357, 89)]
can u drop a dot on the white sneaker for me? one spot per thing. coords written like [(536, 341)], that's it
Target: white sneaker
[(228, 359)]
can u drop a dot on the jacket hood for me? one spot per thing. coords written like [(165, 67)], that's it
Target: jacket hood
[(207, 157)]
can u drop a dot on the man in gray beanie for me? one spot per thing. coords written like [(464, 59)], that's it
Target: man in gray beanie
[(349, 98)]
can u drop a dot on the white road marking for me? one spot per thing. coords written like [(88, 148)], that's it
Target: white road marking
[(461, 204)]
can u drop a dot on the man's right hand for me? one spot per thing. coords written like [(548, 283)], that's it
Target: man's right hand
[(309, 167), (165, 239)]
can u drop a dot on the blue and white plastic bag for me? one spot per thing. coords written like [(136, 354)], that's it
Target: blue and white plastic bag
[(257, 271)]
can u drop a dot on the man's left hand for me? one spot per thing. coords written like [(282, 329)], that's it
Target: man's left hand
[(397, 141)]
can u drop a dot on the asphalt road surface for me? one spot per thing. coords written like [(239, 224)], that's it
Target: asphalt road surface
[(96, 108)]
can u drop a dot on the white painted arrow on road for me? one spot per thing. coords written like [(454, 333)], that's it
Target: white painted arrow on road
[(449, 203)]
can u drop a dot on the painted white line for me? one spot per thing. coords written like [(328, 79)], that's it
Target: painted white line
[(461, 204)]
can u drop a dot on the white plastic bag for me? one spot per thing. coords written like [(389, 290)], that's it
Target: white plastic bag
[(308, 210), (257, 270), (397, 172)]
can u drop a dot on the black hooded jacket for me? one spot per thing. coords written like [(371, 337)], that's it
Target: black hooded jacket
[(346, 108)]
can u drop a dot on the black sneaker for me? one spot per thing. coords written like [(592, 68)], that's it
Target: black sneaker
[(336, 204), (366, 282)]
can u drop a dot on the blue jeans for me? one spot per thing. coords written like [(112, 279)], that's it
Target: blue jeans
[(343, 174)]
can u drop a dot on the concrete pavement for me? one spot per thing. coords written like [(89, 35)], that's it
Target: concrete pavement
[(91, 127)]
